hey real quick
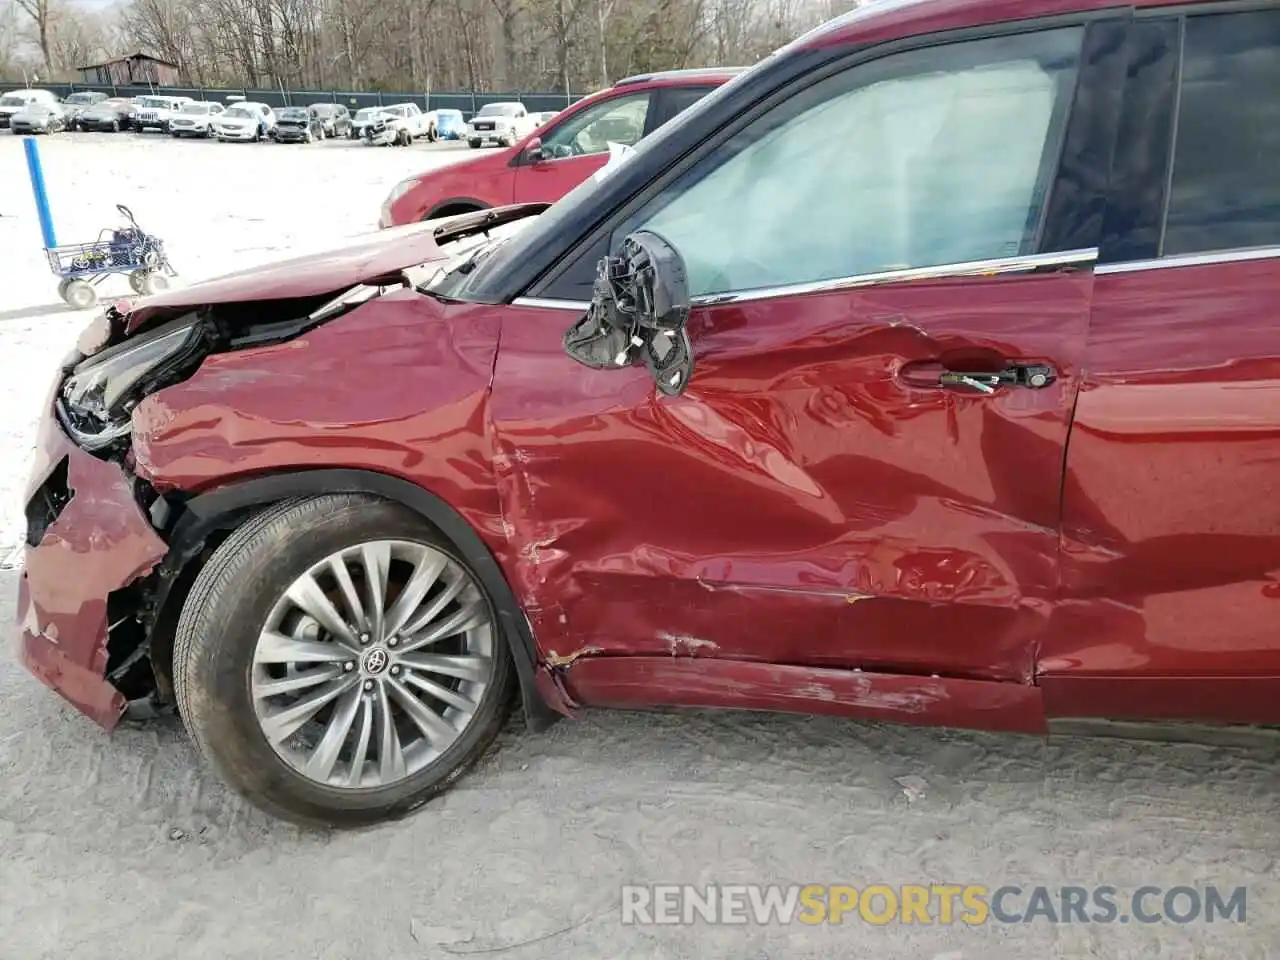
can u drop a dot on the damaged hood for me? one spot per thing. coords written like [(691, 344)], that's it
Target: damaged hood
[(374, 257)]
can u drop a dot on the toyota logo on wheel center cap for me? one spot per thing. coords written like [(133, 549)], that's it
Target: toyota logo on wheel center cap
[(375, 661)]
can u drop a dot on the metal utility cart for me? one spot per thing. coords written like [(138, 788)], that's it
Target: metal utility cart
[(129, 250)]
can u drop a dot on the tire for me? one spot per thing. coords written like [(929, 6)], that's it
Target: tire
[(62, 288), (79, 294), (237, 596), (473, 144), (115, 126), (149, 282), (135, 280), (404, 138)]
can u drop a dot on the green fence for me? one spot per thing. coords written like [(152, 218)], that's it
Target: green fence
[(468, 103)]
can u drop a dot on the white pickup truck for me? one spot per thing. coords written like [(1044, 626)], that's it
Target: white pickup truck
[(504, 123), (400, 124)]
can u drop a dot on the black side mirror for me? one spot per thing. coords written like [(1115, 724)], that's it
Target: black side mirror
[(533, 151), (639, 309)]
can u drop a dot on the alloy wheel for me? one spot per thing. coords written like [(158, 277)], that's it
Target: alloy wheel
[(372, 664)]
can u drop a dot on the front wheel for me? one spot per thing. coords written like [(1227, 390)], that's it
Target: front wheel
[(473, 144), (151, 282), (338, 662), (78, 294)]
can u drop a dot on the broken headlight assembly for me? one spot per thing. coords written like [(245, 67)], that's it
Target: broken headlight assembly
[(100, 392)]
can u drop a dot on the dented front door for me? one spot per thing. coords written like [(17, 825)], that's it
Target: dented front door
[(816, 496), (865, 468)]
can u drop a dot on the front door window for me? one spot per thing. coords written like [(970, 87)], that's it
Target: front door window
[(617, 120), (919, 159)]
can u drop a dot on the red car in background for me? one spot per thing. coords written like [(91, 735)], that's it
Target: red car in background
[(555, 158)]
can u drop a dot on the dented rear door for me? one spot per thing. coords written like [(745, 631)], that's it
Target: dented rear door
[(866, 467)]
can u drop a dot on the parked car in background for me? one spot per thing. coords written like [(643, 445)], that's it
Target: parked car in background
[(859, 501), (400, 124), (153, 112), (39, 118), (334, 117), (15, 100), (298, 125), (558, 156), (195, 119), (544, 117), (450, 124), (78, 102), (245, 121), (502, 123), (364, 117), (111, 114)]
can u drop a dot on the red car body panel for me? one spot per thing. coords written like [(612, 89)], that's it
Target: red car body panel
[(932, 701), (101, 542), (1171, 535), (430, 430), (381, 254), (494, 179)]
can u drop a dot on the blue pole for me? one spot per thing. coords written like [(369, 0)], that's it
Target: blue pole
[(36, 173)]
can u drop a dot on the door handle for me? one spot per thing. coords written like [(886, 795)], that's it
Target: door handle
[(1033, 376)]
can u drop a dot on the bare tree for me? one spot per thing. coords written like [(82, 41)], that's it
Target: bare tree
[(40, 13), (481, 45)]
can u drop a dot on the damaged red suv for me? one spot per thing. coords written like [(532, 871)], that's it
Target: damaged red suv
[(554, 159), (923, 372)]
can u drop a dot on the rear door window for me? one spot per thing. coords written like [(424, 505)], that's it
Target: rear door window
[(676, 100), (1224, 192)]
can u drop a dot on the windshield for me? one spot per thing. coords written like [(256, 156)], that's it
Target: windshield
[(12, 101), (155, 102), (324, 109), (196, 107), (292, 113), (368, 113), (498, 110), (240, 112), (83, 98), (38, 108)]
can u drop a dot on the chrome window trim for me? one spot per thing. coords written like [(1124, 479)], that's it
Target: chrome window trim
[(971, 268), (1190, 260), (550, 304)]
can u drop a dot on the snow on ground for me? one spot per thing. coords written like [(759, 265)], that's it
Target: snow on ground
[(217, 206), (119, 846)]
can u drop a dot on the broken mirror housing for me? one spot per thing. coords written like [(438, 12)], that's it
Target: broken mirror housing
[(95, 398), (638, 313)]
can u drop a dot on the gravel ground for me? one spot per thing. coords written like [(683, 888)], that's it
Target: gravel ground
[(119, 846)]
